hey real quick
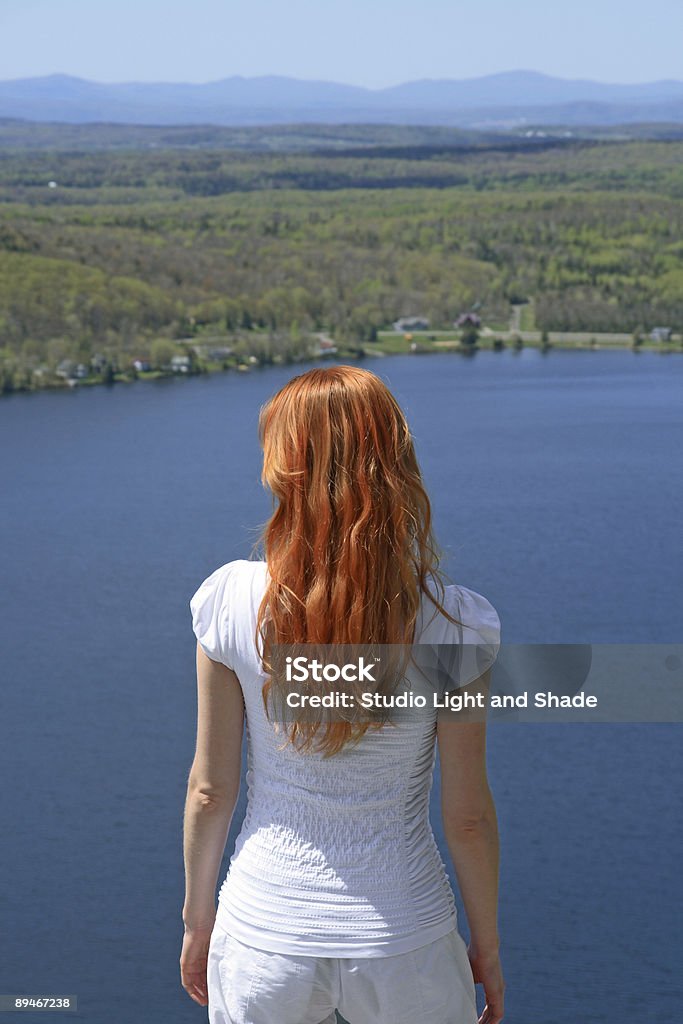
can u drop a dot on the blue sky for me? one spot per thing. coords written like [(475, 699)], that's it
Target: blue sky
[(364, 42)]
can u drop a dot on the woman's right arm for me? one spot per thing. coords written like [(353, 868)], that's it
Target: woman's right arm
[(471, 831)]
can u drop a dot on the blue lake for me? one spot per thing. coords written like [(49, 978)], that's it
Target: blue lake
[(557, 492)]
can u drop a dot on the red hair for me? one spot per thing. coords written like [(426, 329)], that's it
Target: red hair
[(349, 547)]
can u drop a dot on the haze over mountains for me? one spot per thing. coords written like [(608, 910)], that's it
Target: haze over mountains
[(507, 99)]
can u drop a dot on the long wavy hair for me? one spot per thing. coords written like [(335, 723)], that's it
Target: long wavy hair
[(349, 546)]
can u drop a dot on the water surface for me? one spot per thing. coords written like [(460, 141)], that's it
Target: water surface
[(557, 491)]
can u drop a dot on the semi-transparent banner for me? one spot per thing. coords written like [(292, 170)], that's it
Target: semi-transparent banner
[(509, 682)]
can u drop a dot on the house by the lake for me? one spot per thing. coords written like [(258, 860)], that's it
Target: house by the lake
[(69, 369), (467, 320), (326, 346), (98, 363), (411, 323), (181, 364), (214, 353)]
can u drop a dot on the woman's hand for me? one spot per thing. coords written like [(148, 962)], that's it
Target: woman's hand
[(193, 960), (488, 972)]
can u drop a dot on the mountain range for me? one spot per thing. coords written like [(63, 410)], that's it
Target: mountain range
[(508, 99)]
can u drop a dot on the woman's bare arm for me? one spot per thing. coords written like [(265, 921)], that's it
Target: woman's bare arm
[(471, 831), (213, 787)]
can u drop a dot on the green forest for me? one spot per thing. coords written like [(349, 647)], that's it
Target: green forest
[(230, 255)]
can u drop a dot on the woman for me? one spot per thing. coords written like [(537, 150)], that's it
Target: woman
[(336, 896)]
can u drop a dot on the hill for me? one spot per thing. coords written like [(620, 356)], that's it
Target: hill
[(505, 100)]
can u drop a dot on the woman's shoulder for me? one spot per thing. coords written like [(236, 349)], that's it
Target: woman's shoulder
[(470, 645), (217, 599), (227, 578), (478, 619), (237, 568), (474, 610)]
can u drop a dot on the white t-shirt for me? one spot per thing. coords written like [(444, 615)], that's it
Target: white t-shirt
[(336, 856)]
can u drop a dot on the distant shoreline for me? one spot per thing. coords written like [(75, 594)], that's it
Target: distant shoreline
[(367, 351)]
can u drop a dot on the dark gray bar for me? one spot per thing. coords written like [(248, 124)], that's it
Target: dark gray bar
[(506, 682), (627, 682)]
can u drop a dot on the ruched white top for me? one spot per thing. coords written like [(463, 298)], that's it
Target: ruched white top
[(336, 857)]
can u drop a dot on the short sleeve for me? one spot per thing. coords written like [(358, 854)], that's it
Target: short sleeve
[(475, 644), (480, 617), (480, 635), (210, 607)]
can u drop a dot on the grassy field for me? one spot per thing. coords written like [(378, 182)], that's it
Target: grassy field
[(393, 342)]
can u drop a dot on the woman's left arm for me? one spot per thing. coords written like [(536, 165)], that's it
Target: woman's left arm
[(212, 791)]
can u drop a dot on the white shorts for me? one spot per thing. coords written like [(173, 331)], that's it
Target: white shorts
[(430, 985)]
